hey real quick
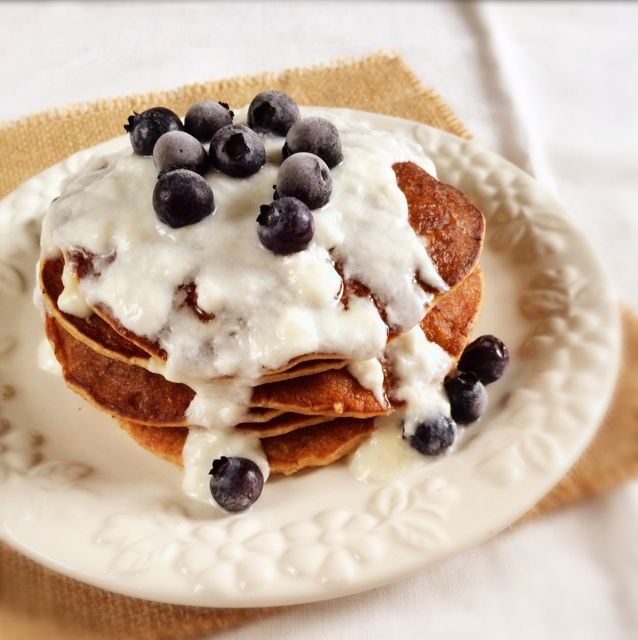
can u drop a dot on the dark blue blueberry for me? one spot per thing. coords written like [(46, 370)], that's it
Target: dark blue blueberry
[(237, 151), (182, 197), (145, 128), (179, 150), (467, 396), (235, 483), (272, 111), (433, 436), (306, 177), (204, 119), (315, 135), (285, 226), (487, 357)]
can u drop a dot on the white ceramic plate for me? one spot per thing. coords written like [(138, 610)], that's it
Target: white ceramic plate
[(78, 495)]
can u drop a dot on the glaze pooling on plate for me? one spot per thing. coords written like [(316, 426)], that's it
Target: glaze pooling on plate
[(548, 297)]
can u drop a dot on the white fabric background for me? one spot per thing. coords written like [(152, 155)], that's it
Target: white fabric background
[(552, 87)]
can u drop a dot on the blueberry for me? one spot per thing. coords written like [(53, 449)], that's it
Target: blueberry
[(237, 151), (272, 111), (182, 197), (433, 436), (235, 483), (467, 396), (145, 128), (179, 150), (306, 177), (487, 357), (315, 135), (285, 226), (204, 119)]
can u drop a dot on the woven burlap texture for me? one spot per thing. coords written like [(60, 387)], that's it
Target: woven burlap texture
[(38, 603)]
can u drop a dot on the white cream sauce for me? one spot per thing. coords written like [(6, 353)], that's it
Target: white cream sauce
[(267, 309)]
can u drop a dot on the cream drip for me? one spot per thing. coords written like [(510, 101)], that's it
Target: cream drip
[(71, 299), (369, 374), (419, 366)]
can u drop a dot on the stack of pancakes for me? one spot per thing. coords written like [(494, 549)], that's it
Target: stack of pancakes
[(310, 412)]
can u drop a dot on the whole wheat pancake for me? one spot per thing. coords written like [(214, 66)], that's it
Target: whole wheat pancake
[(123, 390), (301, 365), (337, 393), (332, 393), (452, 318), (452, 226), (315, 446)]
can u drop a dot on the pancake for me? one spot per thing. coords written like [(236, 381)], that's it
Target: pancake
[(333, 393), (452, 226), (123, 390), (337, 393), (257, 415), (315, 446), (452, 319)]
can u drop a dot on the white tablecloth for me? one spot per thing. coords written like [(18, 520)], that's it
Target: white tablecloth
[(554, 88)]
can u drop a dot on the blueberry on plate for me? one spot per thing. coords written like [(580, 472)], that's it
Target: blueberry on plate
[(204, 119), (182, 197), (467, 396), (235, 483), (145, 128), (306, 177), (433, 436), (487, 357), (272, 111), (315, 135), (286, 226), (180, 150), (237, 151)]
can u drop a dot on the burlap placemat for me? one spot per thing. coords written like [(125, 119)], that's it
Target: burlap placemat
[(38, 603)]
